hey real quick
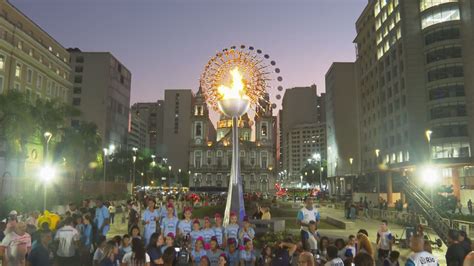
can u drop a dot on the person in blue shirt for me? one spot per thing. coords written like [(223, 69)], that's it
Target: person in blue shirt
[(305, 215), (214, 252), (196, 233), (169, 224), (246, 231), (232, 252), (207, 231), (164, 208), (219, 230), (198, 252), (232, 229), (185, 225), (247, 255), (149, 219), (101, 219)]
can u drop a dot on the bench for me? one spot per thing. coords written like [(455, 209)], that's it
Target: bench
[(340, 223)]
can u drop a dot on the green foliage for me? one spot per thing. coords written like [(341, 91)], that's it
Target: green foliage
[(271, 238)]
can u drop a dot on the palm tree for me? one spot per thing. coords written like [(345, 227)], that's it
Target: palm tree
[(17, 126)]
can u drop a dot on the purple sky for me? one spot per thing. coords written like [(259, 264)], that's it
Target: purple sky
[(166, 43)]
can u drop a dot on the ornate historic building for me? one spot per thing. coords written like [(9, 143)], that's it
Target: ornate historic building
[(211, 155)]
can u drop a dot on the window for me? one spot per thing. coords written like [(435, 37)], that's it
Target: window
[(77, 90), (39, 81), (425, 4), (1, 84), (449, 131), (264, 160), (443, 54), (79, 59), (197, 159), (18, 70), (29, 75), (198, 130), (78, 69), (442, 35), (447, 91), (264, 131), (446, 111), (2, 62), (440, 15), (455, 149), (78, 79), (28, 95), (16, 86), (76, 101), (445, 72)]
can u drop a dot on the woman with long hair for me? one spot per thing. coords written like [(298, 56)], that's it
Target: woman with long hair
[(363, 245), (154, 249), (111, 254), (138, 256)]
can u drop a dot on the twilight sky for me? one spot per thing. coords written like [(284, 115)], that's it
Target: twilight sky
[(166, 43)]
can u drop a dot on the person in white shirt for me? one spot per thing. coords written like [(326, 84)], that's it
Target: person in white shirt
[(305, 215), (15, 245), (333, 259), (112, 211), (68, 241), (419, 257), (138, 256), (384, 241)]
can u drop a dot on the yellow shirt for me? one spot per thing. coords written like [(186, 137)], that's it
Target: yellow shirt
[(266, 216)]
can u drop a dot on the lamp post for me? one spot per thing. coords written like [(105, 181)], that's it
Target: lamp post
[(153, 164), (377, 154), (47, 135), (317, 157), (134, 159), (428, 137), (301, 178), (177, 179), (169, 173), (47, 173), (351, 160), (105, 170)]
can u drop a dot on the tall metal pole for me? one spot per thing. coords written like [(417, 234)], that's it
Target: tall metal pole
[(320, 176), (105, 170), (48, 136)]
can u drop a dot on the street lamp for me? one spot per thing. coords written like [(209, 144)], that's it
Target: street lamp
[(105, 169), (428, 137), (47, 174), (169, 175), (429, 176), (47, 135), (317, 157), (134, 159), (301, 177), (351, 160), (377, 154)]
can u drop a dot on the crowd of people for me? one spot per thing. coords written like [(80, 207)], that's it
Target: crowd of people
[(162, 234)]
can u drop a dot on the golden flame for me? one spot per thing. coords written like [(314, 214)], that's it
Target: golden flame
[(236, 91)]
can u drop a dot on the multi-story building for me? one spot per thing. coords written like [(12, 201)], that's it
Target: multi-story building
[(101, 91), (34, 63), (302, 135), (177, 128), (210, 157), (415, 63), (138, 132), (152, 114), (342, 126)]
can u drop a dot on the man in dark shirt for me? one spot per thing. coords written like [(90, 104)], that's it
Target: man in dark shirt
[(41, 255), (456, 252)]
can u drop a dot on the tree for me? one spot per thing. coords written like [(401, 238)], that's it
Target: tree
[(311, 172), (17, 126), (80, 148)]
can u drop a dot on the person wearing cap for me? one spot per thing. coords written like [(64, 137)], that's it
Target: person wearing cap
[(214, 252), (149, 219), (219, 230), (232, 229), (207, 231), (247, 255), (196, 233), (169, 242), (198, 251), (246, 231), (305, 215), (223, 260), (11, 222), (185, 225), (15, 246), (101, 218), (232, 252), (164, 208), (169, 224)]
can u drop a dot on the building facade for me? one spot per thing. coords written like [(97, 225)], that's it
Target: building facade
[(302, 135), (137, 133), (210, 154), (34, 63), (414, 70), (177, 128), (152, 113), (101, 91), (342, 126)]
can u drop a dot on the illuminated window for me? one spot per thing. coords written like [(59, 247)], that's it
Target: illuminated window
[(443, 14), (377, 9), (397, 16), (18, 70), (2, 61), (425, 4)]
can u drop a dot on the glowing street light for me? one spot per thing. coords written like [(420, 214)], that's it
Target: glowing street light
[(428, 137), (47, 174), (47, 135), (430, 176)]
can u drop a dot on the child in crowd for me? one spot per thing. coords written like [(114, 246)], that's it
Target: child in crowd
[(232, 229), (246, 231), (198, 251), (384, 240), (207, 232), (196, 233), (125, 247), (392, 259), (169, 242), (185, 225), (219, 230), (169, 224), (233, 253), (135, 232), (247, 255), (99, 252)]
